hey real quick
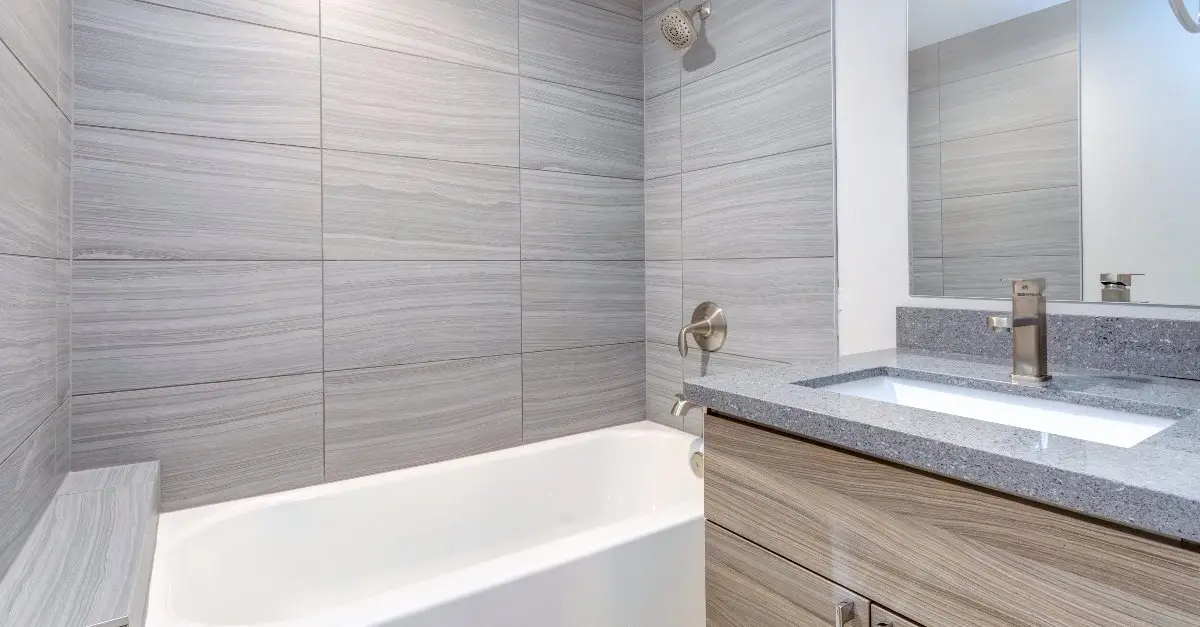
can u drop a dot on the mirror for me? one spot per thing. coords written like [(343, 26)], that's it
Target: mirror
[(1054, 139)]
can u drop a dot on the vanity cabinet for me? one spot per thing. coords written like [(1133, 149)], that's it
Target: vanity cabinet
[(936, 551), (881, 617)]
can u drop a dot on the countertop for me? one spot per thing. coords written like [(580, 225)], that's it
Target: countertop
[(1153, 486)]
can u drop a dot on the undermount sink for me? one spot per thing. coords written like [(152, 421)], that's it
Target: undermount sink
[(1094, 424)]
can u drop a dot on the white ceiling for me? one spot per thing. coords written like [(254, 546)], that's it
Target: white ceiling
[(931, 21)]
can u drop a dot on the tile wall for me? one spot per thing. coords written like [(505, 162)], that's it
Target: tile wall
[(739, 190), (35, 266), (325, 238), (994, 158)]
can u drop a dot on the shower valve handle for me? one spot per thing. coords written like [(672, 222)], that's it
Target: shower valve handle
[(707, 326)]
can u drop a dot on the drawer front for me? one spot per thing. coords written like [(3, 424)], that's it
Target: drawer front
[(941, 553), (747, 586), (881, 617)]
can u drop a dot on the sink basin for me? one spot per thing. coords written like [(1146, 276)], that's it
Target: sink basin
[(1106, 426)]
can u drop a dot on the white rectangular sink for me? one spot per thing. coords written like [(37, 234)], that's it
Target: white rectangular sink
[(1106, 426)]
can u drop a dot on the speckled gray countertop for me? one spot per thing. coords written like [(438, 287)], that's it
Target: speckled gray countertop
[(1153, 485)]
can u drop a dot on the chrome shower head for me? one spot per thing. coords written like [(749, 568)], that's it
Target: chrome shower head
[(678, 28)]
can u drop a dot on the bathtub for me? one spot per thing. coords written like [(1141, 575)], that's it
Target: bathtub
[(600, 529)]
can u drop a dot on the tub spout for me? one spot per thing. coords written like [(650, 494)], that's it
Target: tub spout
[(683, 406)]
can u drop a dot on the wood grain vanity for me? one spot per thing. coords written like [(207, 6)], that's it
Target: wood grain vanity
[(794, 529)]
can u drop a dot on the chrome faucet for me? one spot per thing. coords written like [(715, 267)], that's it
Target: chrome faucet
[(1028, 327), (683, 406)]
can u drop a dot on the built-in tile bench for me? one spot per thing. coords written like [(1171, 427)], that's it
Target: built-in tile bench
[(87, 564)]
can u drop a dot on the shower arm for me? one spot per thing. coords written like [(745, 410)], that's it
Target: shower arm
[(1185, 18)]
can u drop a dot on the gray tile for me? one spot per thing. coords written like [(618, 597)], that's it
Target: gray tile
[(778, 103), (1033, 94), (664, 301), (143, 324), (215, 442), (570, 304), (925, 172), (29, 170), (579, 45), (778, 206), (574, 130), (381, 313), (299, 15), (110, 477), (572, 391), (28, 326), (664, 379), (926, 278), (66, 57), (396, 208), (156, 196), (581, 217), (384, 102), (382, 419), (29, 477), (65, 174), (989, 277), (629, 8), (706, 364), (62, 323), (137, 66), (742, 30), (1013, 42), (30, 28), (482, 33), (664, 215), (661, 63), (664, 155), (778, 309), (1032, 158), (1017, 224), (653, 7), (923, 122), (925, 228), (923, 68)]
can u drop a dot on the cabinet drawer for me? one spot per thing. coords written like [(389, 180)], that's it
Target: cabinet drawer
[(939, 552), (748, 586), (881, 617)]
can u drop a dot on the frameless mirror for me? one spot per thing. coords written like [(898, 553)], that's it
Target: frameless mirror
[(1054, 139)]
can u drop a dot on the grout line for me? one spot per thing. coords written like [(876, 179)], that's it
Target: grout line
[(321, 188), (1007, 67), (942, 142), (1015, 191), (57, 70), (639, 19), (34, 430), (748, 159), (21, 256), (275, 261), (239, 20), (791, 44)]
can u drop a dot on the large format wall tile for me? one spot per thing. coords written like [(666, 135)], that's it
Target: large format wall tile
[(144, 324), (1013, 42), (215, 442), (664, 379), (579, 45), (653, 7), (29, 166), (925, 228), (923, 123), (660, 61), (31, 29), (998, 225), (482, 33), (925, 172), (778, 103), (923, 68), (569, 304), (664, 155), (991, 277), (66, 58), (1034, 94), (628, 8), (571, 391), (778, 206), (65, 163), (664, 301), (926, 279), (664, 216), (1032, 158), (28, 328), (299, 15), (741, 30), (146, 67), (575, 216), (380, 313), (381, 207), (28, 480), (381, 419), (62, 323), (575, 130), (705, 364), (156, 196), (390, 103), (778, 309)]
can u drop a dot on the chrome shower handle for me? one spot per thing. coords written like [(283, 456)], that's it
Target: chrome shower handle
[(708, 327)]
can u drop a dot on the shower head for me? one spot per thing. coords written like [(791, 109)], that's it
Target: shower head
[(677, 25)]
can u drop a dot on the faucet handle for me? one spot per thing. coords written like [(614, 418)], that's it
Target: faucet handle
[(1028, 287)]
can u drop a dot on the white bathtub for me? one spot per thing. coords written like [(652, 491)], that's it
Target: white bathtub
[(601, 529)]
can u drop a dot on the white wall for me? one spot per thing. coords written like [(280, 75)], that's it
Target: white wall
[(871, 96), (1140, 145)]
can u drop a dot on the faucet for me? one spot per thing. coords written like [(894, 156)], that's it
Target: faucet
[(683, 406), (1028, 327)]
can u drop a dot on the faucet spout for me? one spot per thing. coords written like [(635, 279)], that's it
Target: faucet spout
[(1027, 324), (683, 406)]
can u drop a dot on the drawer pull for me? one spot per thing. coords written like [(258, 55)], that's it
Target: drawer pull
[(843, 613)]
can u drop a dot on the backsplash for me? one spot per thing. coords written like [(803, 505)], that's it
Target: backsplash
[(340, 237), (1163, 348)]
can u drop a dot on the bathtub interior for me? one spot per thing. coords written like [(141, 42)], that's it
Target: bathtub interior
[(291, 555)]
